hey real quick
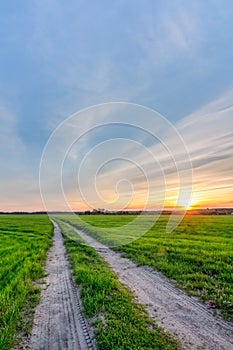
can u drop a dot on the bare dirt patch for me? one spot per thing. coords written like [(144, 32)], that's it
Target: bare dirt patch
[(58, 321), (184, 317)]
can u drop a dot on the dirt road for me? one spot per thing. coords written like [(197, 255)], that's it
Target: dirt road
[(58, 322), (182, 316)]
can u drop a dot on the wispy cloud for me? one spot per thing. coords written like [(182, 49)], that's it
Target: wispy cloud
[(171, 56), (176, 31), (10, 142), (208, 137), (19, 189)]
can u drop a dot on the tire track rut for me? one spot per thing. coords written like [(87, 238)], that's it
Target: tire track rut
[(184, 317), (58, 322)]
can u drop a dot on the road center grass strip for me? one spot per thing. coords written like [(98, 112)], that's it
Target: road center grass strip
[(119, 322), (197, 256), (24, 241)]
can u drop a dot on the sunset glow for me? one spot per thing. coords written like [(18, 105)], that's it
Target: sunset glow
[(169, 61)]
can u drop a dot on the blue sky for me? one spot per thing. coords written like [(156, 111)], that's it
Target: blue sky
[(58, 57)]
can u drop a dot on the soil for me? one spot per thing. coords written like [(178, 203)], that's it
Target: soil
[(58, 321), (184, 317)]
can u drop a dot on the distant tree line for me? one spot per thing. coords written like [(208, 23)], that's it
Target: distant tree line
[(100, 211)]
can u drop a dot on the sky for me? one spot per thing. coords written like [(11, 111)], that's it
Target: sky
[(59, 58)]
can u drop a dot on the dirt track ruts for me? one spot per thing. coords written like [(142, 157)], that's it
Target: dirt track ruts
[(182, 316), (58, 322)]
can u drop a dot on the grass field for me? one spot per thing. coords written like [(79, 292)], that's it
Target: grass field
[(124, 325), (198, 255), (24, 241)]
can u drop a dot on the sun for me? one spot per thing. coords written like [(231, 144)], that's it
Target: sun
[(188, 203)]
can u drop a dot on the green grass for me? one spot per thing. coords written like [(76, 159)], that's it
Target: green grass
[(119, 322), (198, 255), (111, 232), (24, 241)]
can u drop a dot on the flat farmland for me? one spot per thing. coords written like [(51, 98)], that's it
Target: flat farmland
[(197, 256), (24, 241)]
